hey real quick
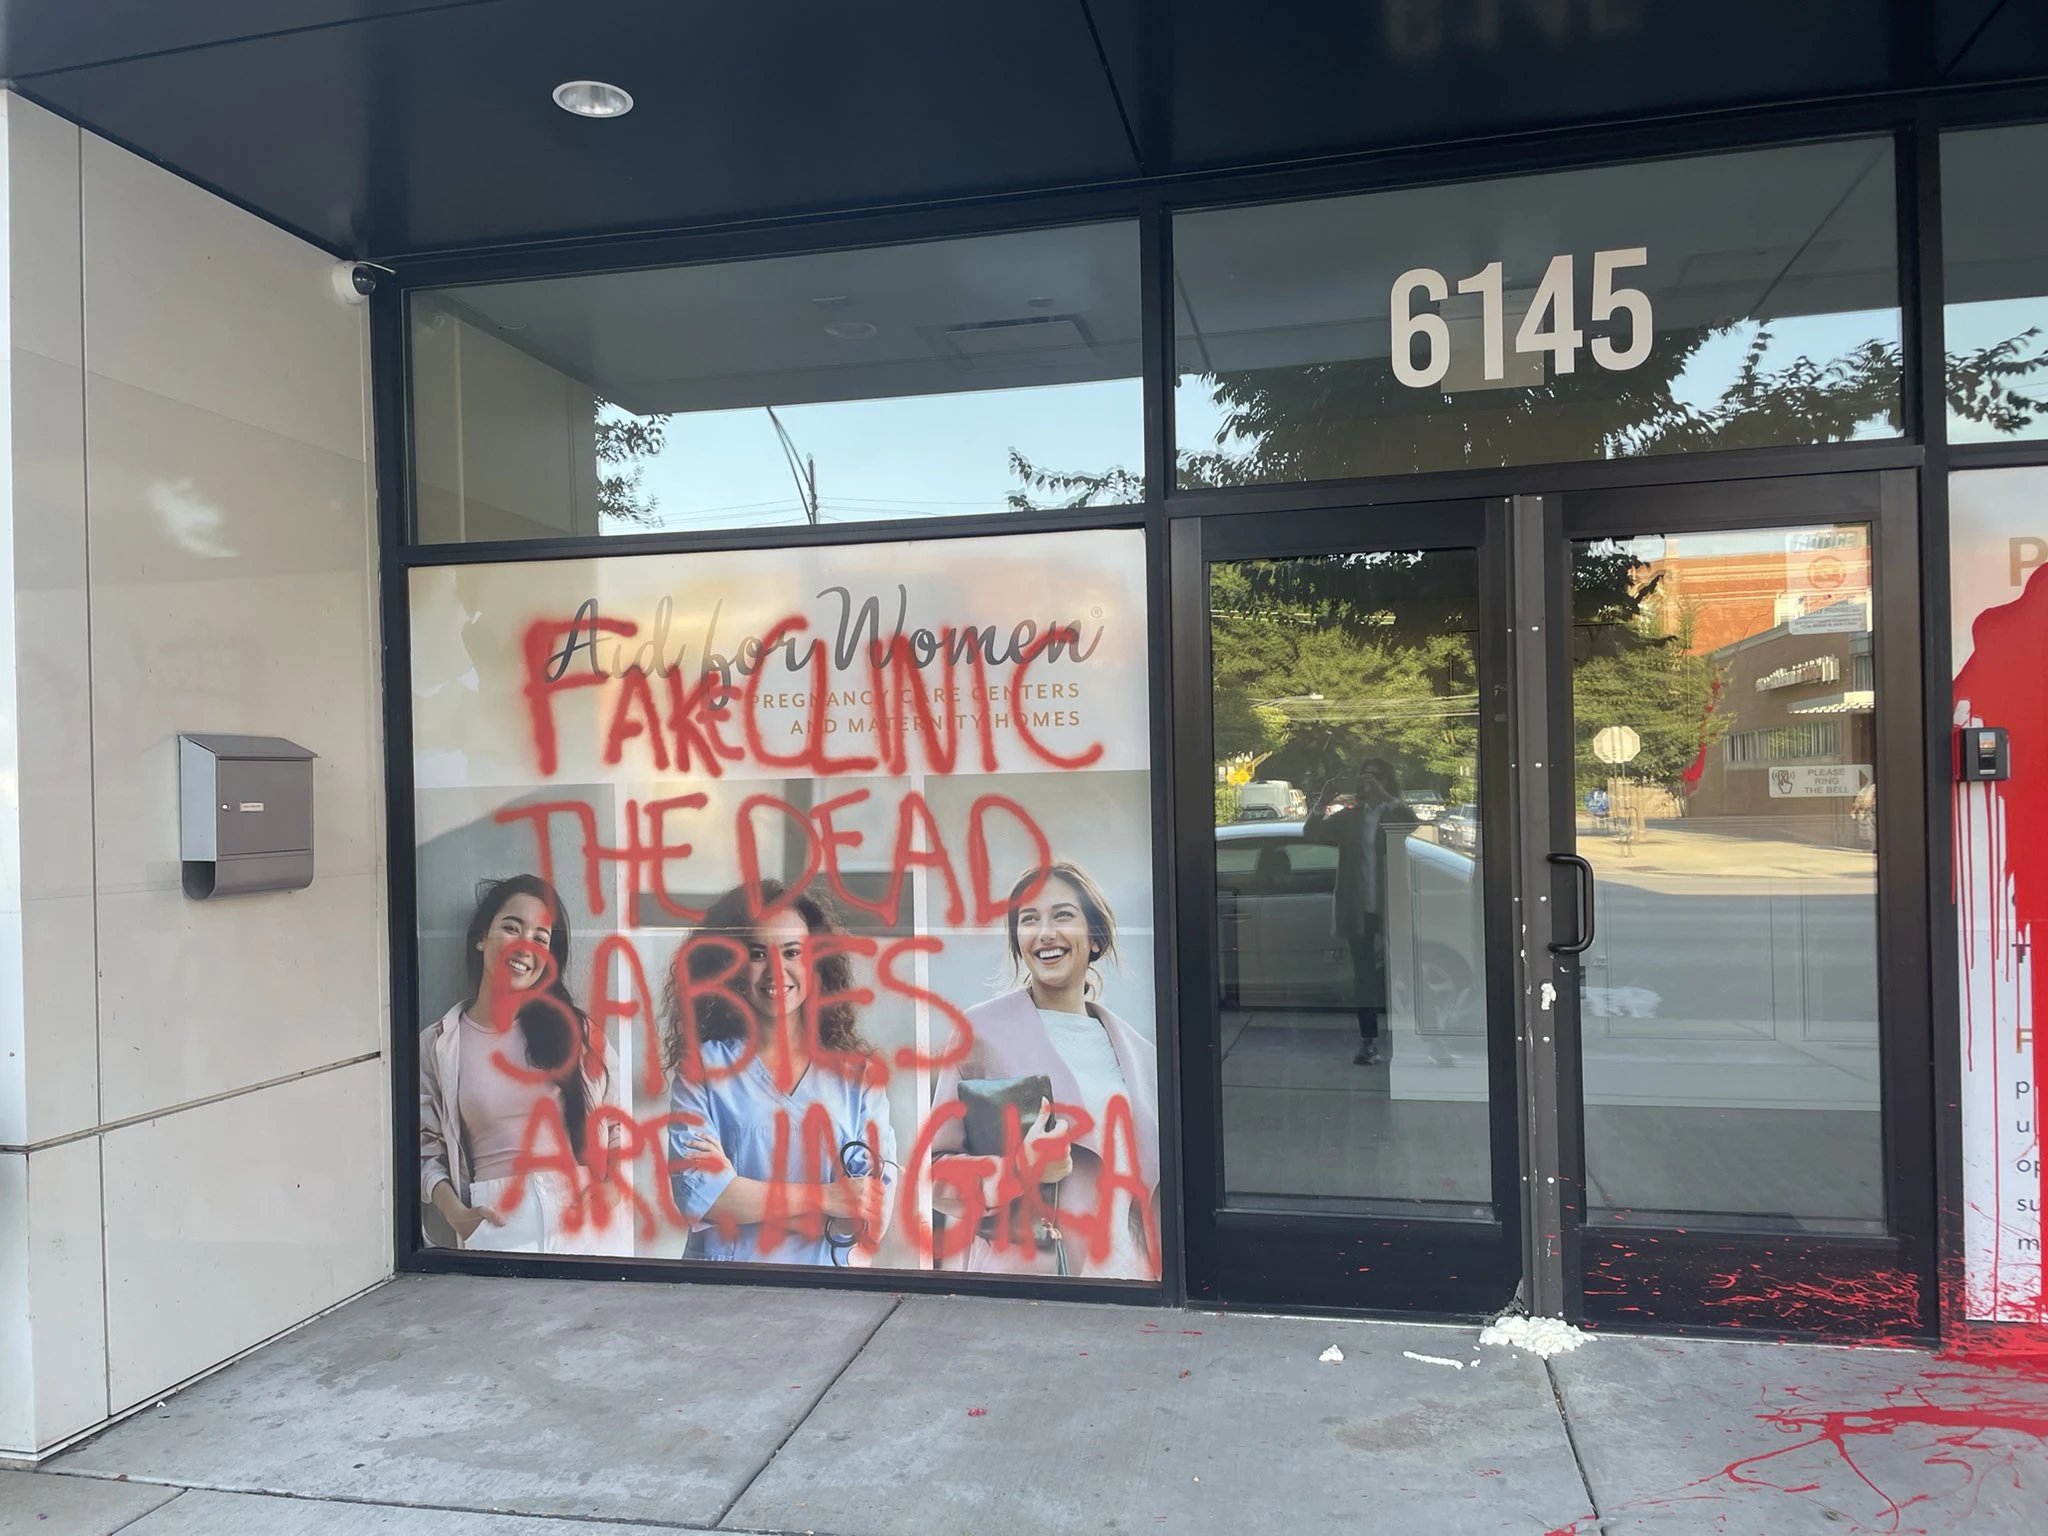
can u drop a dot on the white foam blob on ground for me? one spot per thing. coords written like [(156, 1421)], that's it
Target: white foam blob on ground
[(1332, 1356), (1544, 1336)]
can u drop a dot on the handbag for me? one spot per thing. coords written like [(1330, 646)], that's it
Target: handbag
[(988, 1102)]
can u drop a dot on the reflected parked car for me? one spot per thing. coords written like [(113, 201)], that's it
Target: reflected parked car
[(1276, 925), (1270, 800), (1427, 804), (1275, 908), (1458, 828)]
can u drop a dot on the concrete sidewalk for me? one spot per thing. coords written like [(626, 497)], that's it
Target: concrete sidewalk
[(452, 1406)]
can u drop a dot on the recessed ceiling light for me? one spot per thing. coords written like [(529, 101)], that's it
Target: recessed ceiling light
[(592, 98), (850, 330)]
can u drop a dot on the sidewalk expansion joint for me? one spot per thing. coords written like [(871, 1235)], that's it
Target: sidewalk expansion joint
[(361, 1501), (804, 1417), (129, 1525), (1564, 1418)]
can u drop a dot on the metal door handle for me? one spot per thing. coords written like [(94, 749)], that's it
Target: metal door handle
[(1585, 873)]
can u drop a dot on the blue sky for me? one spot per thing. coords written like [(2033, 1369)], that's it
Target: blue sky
[(919, 455)]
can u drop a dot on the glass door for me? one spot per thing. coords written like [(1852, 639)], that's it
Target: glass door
[(1552, 884), (1348, 1056), (1752, 1054)]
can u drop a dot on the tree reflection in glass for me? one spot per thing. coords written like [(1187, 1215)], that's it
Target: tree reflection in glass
[(1352, 1011)]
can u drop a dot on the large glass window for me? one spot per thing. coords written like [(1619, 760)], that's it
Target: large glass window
[(938, 379), (790, 907), (1729, 301), (1995, 251)]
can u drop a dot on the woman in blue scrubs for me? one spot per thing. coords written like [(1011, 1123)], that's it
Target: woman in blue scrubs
[(782, 1151)]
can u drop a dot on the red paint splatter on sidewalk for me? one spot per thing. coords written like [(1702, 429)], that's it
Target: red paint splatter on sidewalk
[(977, 1413), (1970, 1425), (1971, 1439)]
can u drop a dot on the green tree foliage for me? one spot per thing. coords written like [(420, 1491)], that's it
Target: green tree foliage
[(1633, 665), (1981, 384), (1040, 488), (1351, 418), (1324, 661), (1318, 662), (623, 441)]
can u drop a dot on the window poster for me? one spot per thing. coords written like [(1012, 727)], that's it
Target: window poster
[(1998, 561), (791, 907)]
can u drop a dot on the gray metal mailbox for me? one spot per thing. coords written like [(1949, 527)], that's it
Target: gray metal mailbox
[(245, 809)]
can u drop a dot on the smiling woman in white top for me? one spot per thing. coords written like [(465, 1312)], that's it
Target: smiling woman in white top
[(1061, 931)]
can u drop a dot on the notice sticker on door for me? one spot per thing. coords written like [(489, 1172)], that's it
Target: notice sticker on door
[(1819, 783), (1851, 616)]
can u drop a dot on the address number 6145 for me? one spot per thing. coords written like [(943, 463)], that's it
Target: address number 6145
[(1549, 326)]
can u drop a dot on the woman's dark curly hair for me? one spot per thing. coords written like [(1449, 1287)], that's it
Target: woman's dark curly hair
[(732, 918), (551, 1045)]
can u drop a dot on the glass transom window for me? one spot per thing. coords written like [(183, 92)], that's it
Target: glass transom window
[(948, 378), (1731, 301)]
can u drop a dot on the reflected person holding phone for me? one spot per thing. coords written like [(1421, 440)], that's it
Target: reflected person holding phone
[(1359, 832)]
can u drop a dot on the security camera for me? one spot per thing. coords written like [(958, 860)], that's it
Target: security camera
[(355, 281)]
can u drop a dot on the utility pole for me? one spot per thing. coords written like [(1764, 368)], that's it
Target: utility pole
[(803, 470)]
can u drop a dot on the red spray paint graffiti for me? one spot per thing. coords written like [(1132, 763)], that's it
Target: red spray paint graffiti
[(645, 708), (1793, 1289), (2001, 885), (562, 656)]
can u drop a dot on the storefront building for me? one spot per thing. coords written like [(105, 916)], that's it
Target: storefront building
[(1381, 661)]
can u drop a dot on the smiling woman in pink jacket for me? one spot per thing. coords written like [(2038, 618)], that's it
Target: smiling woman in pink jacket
[(1060, 931)]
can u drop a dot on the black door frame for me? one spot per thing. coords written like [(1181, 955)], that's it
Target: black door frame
[(1264, 1259), (1665, 1279)]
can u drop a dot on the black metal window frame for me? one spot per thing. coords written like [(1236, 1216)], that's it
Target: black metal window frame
[(1914, 120), (1943, 460)]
